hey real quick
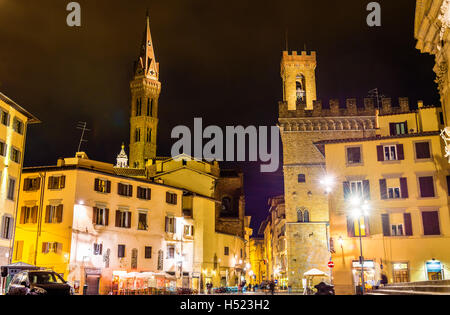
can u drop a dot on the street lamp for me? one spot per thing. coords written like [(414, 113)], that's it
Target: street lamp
[(360, 210)]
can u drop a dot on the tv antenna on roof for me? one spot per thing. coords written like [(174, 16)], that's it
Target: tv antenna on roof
[(82, 126), (376, 95)]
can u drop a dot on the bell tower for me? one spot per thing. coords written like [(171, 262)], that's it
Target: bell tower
[(145, 90), (299, 79)]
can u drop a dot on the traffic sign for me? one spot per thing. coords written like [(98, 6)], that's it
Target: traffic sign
[(330, 264)]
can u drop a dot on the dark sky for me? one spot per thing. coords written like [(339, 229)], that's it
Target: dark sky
[(219, 60)]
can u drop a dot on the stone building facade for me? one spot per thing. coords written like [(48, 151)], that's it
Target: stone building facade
[(303, 165)]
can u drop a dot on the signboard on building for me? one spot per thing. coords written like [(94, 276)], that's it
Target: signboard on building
[(367, 264)]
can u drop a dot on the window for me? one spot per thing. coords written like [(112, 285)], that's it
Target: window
[(18, 125), (100, 216), (430, 221), (149, 107), (144, 193), (57, 182), (139, 107), (3, 148), (301, 178), (394, 193), (31, 184), (5, 118), (15, 155), (6, 228), (227, 251), (149, 135), (356, 188), (28, 215), (121, 251), (98, 249), (125, 190), (359, 189), (148, 252), (170, 225), (422, 150), (54, 214), (441, 118), (11, 189), (170, 251), (390, 152), (18, 250), (354, 155), (397, 230), (397, 129), (299, 215), (188, 230), (142, 224), (52, 247), (355, 225), (171, 198), (426, 186), (137, 135), (103, 186), (123, 219)]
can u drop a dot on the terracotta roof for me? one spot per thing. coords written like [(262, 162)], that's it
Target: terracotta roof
[(411, 135), (129, 172)]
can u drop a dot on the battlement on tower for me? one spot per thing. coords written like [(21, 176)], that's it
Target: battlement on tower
[(351, 107), (304, 55)]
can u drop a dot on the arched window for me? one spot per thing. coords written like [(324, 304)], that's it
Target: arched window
[(300, 88), (149, 106), (299, 215), (149, 135), (227, 206), (139, 107), (306, 216), (137, 135)]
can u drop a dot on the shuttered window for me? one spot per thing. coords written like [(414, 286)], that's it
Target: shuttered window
[(28, 215), (170, 226), (123, 219), (121, 251), (430, 220), (98, 249), (100, 216), (125, 190), (354, 155), (144, 193), (54, 214), (386, 224), (171, 198), (148, 252), (57, 182), (11, 189), (383, 189), (103, 186), (18, 250), (408, 224), (423, 150), (404, 188), (31, 184), (6, 228), (426, 186)]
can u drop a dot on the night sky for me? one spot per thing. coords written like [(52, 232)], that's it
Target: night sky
[(219, 60)]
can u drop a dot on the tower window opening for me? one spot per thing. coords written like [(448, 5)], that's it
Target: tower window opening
[(137, 135), (139, 107), (149, 135), (149, 107), (300, 88)]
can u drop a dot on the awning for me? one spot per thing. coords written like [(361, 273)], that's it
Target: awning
[(315, 273)]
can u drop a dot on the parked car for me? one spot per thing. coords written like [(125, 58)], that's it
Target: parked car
[(39, 282)]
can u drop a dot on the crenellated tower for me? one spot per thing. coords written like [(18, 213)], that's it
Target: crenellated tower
[(145, 90)]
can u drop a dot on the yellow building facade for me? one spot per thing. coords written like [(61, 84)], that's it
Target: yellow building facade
[(392, 189), (14, 121), (257, 260)]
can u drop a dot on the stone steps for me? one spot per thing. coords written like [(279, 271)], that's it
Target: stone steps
[(415, 288)]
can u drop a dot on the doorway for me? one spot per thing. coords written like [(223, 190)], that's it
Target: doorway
[(93, 283)]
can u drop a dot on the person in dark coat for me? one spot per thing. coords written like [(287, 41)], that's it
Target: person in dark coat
[(272, 287), (384, 279)]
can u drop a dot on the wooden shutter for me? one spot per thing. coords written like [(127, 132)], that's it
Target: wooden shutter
[(408, 224), (393, 129), (59, 213), (38, 183), (366, 189), (149, 193), (94, 215), (426, 186), (346, 190), (97, 184), (130, 191), (192, 230), (59, 248), (106, 217), (366, 225), (166, 228), (400, 152), (129, 220), (380, 153), (386, 224), (350, 227), (47, 213), (62, 183), (404, 187), (431, 223), (108, 186), (35, 214), (383, 189), (100, 249), (3, 228), (174, 225), (118, 218), (45, 247), (22, 215), (167, 197), (119, 189)]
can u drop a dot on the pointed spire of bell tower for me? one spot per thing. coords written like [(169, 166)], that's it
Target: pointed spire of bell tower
[(146, 64)]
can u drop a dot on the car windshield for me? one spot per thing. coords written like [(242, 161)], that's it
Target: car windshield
[(44, 278)]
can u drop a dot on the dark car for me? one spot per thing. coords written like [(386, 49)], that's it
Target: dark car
[(39, 283)]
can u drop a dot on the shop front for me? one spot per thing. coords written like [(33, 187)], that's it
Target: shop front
[(370, 274), (434, 270)]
